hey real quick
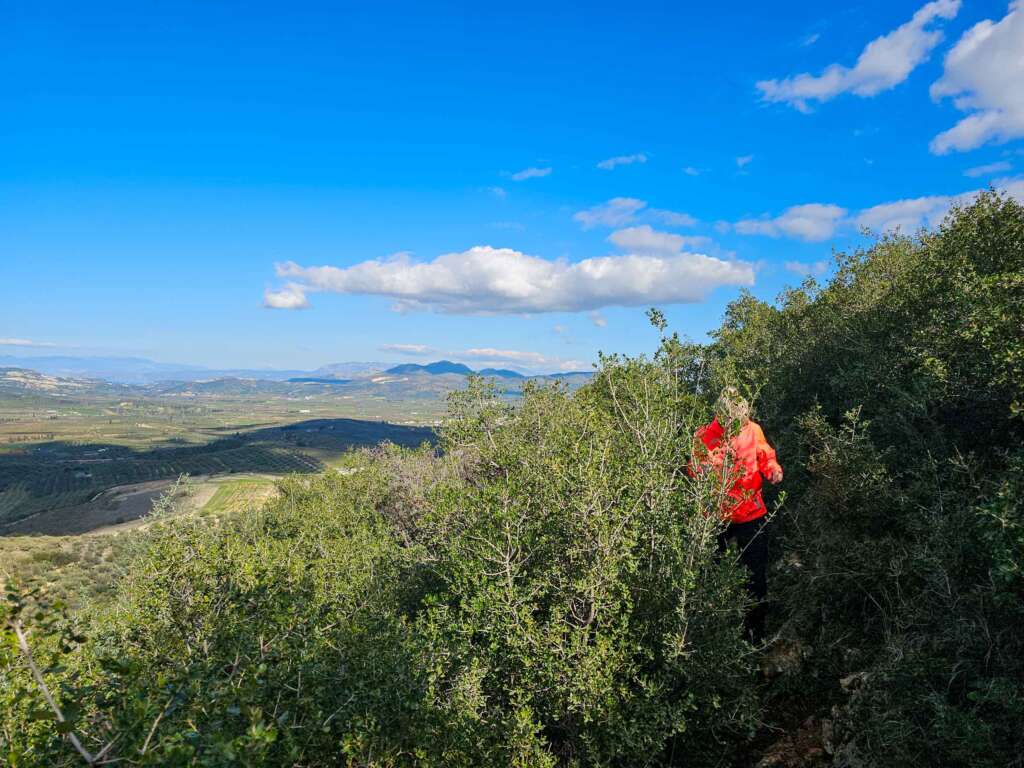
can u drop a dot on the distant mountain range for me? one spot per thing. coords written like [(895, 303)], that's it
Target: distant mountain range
[(409, 387), (441, 366), (116, 377), (141, 371)]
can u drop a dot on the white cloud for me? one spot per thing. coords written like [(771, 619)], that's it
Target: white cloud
[(691, 171), (486, 280), (693, 242), (911, 214), (743, 160), (819, 221), (810, 222), (504, 355), (9, 342), (573, 365), (625, 210), (531, 173), (983, 74), (614, 213), (673, 218), (598, 319), (291, 296), (498, 192), (408, 349), (519, 359), (987, 170), (611, 162), (644, 239), (810, 39), (883, 64), (806, 269)]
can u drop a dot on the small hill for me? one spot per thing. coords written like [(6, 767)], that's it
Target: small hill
[(23, 381), (434, 369), (501, 373), (447, 367)]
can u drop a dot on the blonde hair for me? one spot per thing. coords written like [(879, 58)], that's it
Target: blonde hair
[(732, 406)]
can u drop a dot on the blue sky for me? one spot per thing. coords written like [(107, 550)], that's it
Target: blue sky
[(503, 185)]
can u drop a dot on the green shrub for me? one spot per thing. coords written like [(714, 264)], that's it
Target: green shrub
[(545, 591), (895, 393)]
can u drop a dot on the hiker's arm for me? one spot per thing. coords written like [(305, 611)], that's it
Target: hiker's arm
[(767, 462)]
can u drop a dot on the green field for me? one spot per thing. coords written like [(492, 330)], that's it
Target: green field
[(239, 495), (77, 568), (82, 464), (63, 450)]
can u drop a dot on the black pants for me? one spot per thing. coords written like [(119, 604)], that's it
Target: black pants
[(751, 540)]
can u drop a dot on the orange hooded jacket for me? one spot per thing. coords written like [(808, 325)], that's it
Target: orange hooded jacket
[(752, 458)]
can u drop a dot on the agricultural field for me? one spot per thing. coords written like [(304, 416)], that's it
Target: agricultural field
[(230, 496), (78, 455), (78, 555)]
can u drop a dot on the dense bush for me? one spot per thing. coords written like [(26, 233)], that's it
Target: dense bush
[(544, 591), (896, 394)]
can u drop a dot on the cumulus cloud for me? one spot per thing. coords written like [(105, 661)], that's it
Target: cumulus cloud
[(911, 214), (531, 173), (743, 160), (673, 218), (691, 171), (883, 64), (519, 359), (986, 170), (612, 162), (598, 319), (810, 222), (504, 355), (614, 213), (807, 269), (645, 239), (408, 349), (983, 74), (819, 221), (486, 280), (9, 342), (291, 296), (625, 210)]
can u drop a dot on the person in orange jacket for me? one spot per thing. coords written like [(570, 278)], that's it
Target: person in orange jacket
[(734, 443)]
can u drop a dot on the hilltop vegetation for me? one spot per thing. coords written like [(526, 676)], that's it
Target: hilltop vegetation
[(65, 443), (897, 394), (545, 591), (534, 593)]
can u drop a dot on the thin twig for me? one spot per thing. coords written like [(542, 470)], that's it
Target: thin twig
[(23, 644), (152, 729)]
